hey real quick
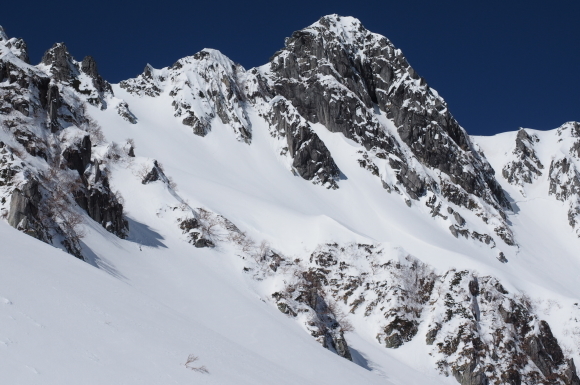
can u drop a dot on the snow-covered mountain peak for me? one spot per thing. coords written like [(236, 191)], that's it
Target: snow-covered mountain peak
[(348, 31), (354, 82), (16, 46), (208, 57), (60, 63), (207, 199)]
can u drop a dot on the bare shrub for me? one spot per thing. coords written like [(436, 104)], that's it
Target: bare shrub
[(209, 224), (339, 315), (118, 197), (142, 171), (171, 183), (527, 301), (236, 237), (59, 207), (94, 130), (289, 289), (191, 361), (184, 205), (262, 250), (247, 245), (114, 152)]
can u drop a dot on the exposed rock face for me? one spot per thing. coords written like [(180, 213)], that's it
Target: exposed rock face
[(337, 73), (103, 207), (89, 67), (311, 158), (527, 166), (61, 63), (83, 77), (94, 194), (352, 81), (78, 155), (42, 202), (308, 297), (472, 310), (337, 76), (53, 103), (24, 207)]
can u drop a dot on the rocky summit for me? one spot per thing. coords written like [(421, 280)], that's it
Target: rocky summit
[(322, 218)]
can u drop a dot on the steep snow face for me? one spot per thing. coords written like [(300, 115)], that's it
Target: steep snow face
[(418, 262)]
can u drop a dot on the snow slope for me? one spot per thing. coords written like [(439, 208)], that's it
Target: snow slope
[(63, 321), (141, 305)]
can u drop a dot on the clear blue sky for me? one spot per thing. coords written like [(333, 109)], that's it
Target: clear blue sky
[(499, 64)]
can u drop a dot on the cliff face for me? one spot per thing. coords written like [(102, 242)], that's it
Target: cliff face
[(410, 235), (48, 146)]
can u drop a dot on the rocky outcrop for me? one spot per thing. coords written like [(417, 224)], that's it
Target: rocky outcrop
[(89, 67), (78, 155), (146, 84), (60, 63), (123, 110), (196, 231), (526, 167), (354, 82), (478, 332), (42, 202), (323, 321), (311, 158), (152, 175), (469, 310), (102, 204), (24, 209), (93, 192), (83, 77)]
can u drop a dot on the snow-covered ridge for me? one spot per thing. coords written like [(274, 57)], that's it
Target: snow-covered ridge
[(202, 87), (430, 256)]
